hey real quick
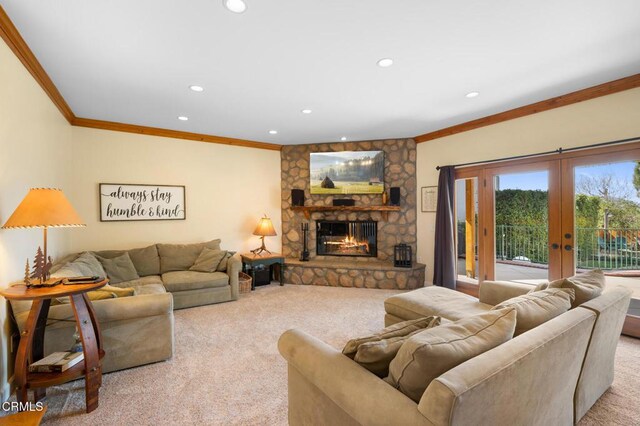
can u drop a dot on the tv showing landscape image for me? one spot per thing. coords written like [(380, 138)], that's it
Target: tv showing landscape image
[(347, 172)]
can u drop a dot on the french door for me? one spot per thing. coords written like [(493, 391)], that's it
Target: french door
[(545, 218)]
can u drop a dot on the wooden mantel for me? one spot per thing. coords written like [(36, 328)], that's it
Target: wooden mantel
[(307, 210)]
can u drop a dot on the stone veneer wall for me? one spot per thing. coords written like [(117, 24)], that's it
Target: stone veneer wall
[(400, 171)]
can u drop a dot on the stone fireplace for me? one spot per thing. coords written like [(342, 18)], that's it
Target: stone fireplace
[(347, 238), (343, 252)]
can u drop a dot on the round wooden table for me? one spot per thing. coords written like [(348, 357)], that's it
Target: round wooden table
[(31, 348)]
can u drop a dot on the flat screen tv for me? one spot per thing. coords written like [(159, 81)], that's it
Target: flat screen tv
[(347, 172)]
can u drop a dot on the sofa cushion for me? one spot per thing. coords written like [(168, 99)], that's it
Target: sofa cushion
[(434, 300), (146, 260), (587, 286), (539, 307), (85, 265), (149, 289), (208, 260), (180, 257), (191, 280), (376, 351), (430, 353), (151, 284), (119, 268)]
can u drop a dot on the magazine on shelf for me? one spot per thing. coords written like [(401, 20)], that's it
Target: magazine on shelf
[(57, 362)]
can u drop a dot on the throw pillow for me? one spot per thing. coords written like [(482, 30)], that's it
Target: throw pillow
[(539, 287), (119, 269), (430, 353), (146, 260), (85, 265), (222, 267), (106, 292), (375, 352), (587, 286), (208, 260), (536, 308)]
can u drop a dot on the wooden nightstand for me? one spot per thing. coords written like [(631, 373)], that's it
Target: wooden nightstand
[(250, 261), (31, 348)]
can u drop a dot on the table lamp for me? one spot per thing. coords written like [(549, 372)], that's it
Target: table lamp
[(264, 229), (43, 208)]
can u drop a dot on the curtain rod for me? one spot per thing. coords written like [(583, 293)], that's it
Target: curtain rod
[(556, 151)]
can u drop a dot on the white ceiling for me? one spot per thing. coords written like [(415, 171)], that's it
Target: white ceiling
[(132, 61)]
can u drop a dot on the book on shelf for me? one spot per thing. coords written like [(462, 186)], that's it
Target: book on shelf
[(57, 362)]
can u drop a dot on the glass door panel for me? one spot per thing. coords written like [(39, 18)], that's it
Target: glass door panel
[(521, 226), (607, 223), (467, 229)]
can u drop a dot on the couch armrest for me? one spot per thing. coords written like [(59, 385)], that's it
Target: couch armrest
[(362, 395), (122, 308), (234, 265), (496, 292), (528, 380)]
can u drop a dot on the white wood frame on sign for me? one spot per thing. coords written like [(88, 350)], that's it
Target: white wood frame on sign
[(141, 202)]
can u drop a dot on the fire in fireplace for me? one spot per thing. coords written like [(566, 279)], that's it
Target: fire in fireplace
[(346, 238)]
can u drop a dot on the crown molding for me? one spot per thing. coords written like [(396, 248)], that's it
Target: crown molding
[(167, 133), (16, 43), (604, 89)]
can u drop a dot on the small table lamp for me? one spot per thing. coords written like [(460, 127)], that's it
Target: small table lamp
[(264, 229), (44, 208)]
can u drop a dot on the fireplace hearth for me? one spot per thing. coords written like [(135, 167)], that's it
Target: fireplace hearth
[(347, 238)]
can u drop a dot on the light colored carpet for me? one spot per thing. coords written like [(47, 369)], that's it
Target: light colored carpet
[(227, 369)]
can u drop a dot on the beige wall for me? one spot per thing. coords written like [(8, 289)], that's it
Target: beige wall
[(35, 141), (228, 189), (603, 119)]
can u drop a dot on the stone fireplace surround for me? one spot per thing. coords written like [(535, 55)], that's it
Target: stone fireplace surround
[(399, 227)]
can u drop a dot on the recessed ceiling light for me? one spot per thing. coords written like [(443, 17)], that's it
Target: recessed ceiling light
[(235, 6), (344, 138), (385, 62), (306, 111), (472, 94), (273, 132), (183, 118), (197, 88)]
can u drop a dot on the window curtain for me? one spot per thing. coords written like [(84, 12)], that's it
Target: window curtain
[(444, 266)]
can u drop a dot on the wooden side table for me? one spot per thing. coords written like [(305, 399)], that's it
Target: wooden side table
[(250, 261), (31, 348)]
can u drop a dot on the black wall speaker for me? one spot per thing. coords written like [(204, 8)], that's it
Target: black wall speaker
[(344, 202), (297, 197), (394, 196)]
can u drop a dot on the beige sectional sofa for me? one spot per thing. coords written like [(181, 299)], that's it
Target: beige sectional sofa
[(551, 374), (139, 329)]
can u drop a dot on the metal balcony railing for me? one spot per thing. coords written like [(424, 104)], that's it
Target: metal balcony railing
[(610, 249)]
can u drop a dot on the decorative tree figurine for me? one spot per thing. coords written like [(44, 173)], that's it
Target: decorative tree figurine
[(27, 279), (47, 268), (38, 266)]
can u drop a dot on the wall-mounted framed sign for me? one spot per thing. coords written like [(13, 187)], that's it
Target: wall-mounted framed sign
[(127, 202), (429, 199)]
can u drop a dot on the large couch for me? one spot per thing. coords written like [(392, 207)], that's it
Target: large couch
[(551, 374), (139, 329)]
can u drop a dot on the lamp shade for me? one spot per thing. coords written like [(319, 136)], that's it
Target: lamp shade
[(44, 208), (265, 228)]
